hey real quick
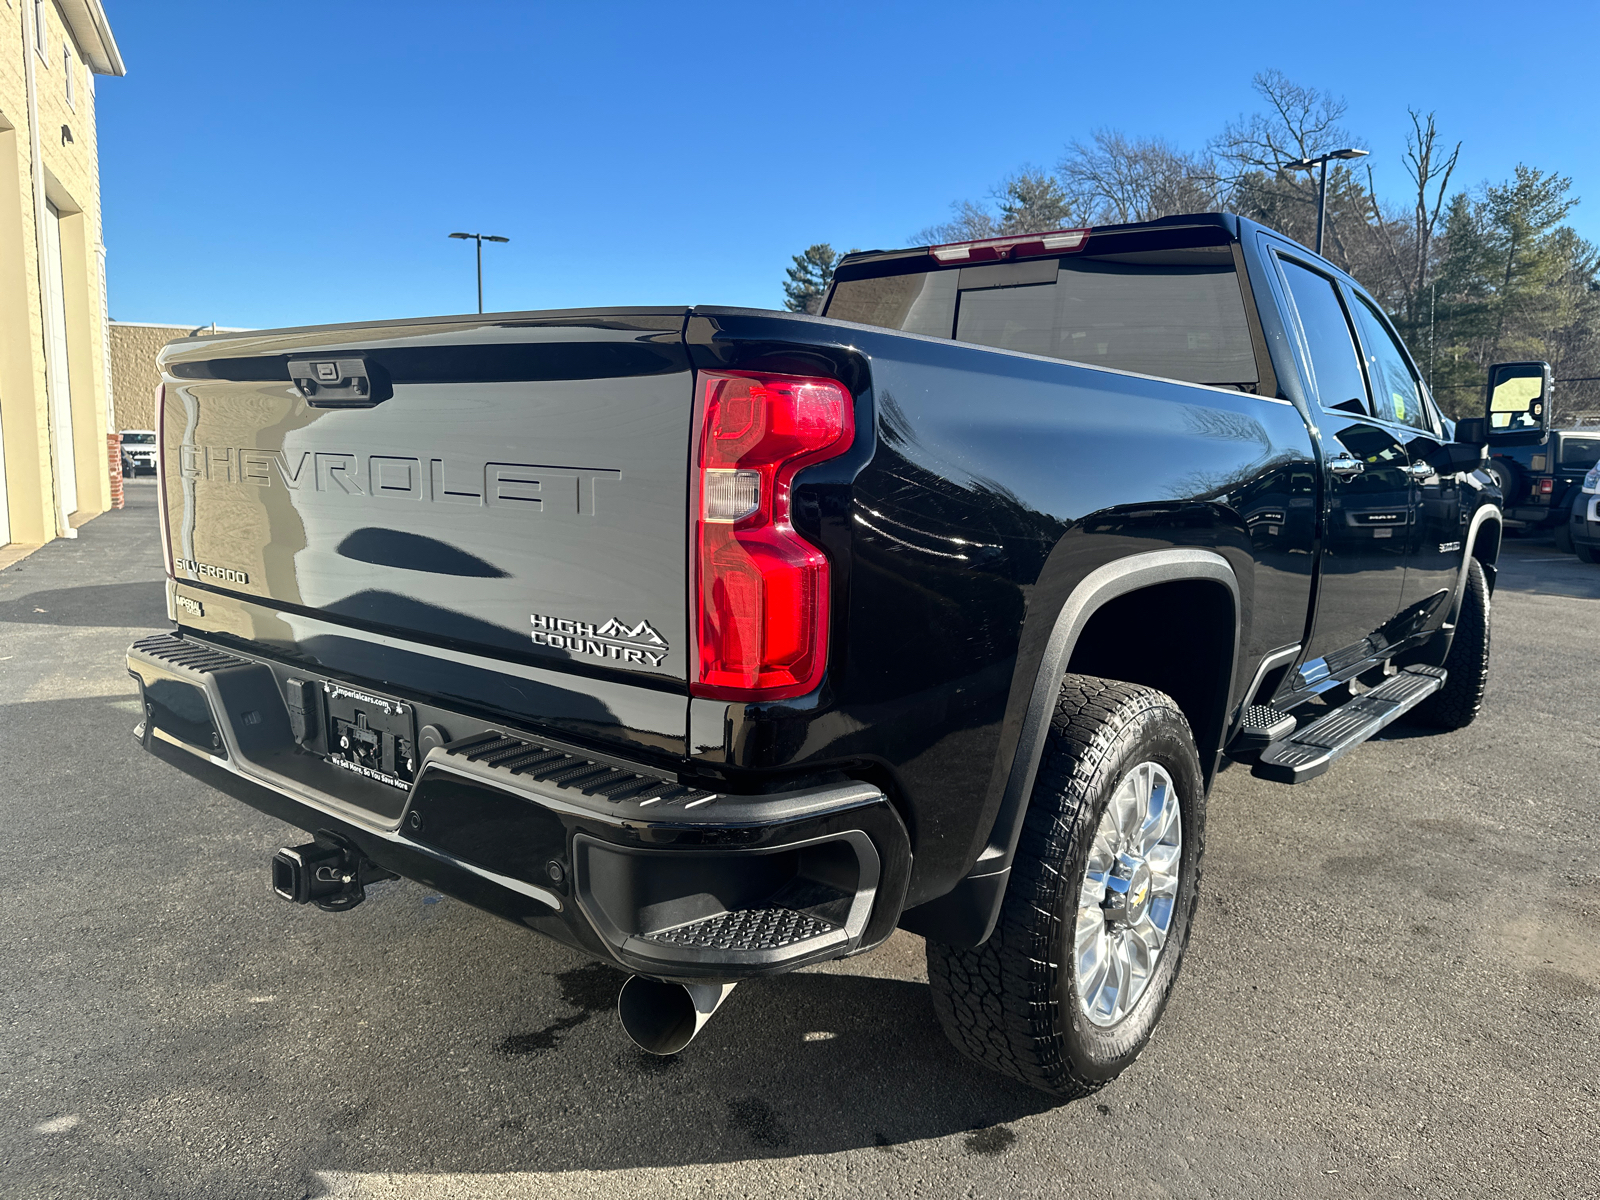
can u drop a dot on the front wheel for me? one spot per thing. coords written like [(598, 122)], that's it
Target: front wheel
[(1563, 536), (1457, 703), (1585, 553), (1069, 987)]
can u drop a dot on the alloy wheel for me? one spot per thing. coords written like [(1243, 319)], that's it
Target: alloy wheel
[(1125, 903)]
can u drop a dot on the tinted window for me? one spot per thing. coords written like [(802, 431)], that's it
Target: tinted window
[(138, 439), (1335, 368), (1580, 451), (1395, 394), (921, 302), (1177, 314)]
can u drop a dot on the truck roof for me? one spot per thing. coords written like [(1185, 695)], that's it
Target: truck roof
[(1022, 245)]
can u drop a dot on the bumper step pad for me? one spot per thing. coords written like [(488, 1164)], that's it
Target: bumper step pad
[(190, 656), (1309, 752), (587, 776), (1260, 726), (748, 929)]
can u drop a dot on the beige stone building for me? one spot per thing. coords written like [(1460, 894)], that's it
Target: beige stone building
[(55, 371), (134, 346)]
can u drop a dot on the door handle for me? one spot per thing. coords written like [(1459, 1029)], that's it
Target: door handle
[(1418, 470), (1346, 467)]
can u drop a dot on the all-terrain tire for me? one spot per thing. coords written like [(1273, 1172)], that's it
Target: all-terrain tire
[(1011, 1004), (1457, 703)]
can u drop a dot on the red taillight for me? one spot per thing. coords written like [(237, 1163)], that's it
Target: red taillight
[(1546, 486), (761, 590)]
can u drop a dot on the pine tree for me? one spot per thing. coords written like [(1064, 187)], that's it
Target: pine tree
[(1032, 202), (1514, 282), (809, 279)]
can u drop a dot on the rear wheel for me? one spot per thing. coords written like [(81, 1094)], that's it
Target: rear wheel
[(1585, 553), (1563, 536), (1457, 703), (1069, 987)]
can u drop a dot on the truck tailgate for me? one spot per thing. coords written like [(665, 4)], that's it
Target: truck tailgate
[(522, 492)]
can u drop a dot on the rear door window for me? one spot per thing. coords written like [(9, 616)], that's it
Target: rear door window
[(1396, 395), (1335, 366)]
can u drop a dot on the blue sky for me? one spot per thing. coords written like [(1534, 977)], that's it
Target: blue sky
[(293, 163)]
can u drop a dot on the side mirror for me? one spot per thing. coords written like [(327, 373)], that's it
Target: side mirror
[(1472, 431), (1457, 456), (1518, 408)]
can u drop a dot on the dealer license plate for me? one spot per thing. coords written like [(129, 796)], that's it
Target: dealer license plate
[(371, 734)]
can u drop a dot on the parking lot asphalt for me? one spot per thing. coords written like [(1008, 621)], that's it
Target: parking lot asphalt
[(1393, 986)]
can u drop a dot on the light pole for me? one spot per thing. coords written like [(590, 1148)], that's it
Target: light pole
[(480, 238), (1322, 160)]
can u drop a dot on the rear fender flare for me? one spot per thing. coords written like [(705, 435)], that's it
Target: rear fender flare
[(1098, 588), (967, 914)]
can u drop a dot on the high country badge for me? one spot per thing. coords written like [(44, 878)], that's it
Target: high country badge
[(622, 643)]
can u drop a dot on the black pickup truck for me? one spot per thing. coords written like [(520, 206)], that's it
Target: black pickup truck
[(718, 642)]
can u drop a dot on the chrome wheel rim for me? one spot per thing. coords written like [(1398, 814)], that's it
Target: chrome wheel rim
[(1128, 894)]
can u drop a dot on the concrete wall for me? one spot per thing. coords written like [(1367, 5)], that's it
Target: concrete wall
[(65, 172)]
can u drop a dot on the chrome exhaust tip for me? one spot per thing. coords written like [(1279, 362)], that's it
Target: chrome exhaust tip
[(663, 1018)]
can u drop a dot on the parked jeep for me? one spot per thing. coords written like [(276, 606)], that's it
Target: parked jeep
[(1540, 479)]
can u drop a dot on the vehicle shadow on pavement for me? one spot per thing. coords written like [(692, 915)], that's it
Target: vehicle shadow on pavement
[(416, 1034), (129, 605), (1404, 731), (797, 1065)]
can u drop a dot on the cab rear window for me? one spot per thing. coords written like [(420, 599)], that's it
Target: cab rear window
[(1174, 313)]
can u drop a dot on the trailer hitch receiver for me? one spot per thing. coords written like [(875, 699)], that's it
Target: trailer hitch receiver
[(327, 872)]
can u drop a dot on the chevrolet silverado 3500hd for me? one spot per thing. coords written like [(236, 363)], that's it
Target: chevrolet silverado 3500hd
[(716, 642)]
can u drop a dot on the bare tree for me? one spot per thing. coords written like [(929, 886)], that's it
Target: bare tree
[(1423, 152), (969, 223), (1467, 277), (1031, 201), (1302, 123), (1254, 152), (1408, 252), (1117, 180)]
